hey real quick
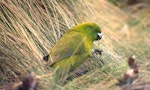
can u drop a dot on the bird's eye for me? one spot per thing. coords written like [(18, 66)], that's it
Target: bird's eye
[(95, 30)]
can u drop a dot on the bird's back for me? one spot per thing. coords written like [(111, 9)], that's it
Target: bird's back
[(76, 44)]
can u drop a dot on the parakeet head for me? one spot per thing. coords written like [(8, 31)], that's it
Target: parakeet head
[(90, 29)]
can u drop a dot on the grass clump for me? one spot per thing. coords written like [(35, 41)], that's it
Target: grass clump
[(29, 29)]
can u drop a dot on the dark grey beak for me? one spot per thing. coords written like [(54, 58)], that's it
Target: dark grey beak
[(99, 36)]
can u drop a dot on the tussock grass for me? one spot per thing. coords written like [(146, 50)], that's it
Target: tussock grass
[(29, 29)]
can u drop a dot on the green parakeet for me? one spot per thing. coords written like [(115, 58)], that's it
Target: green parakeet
[(72, 49)]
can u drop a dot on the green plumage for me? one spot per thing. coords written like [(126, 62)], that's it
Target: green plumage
[(72, 49)]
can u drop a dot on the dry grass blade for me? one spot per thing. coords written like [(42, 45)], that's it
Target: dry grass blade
[(29, 29)]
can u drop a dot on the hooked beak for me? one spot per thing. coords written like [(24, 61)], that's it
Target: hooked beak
[(99, 36)]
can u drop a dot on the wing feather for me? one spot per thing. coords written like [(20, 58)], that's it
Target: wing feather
[(65, 48)]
